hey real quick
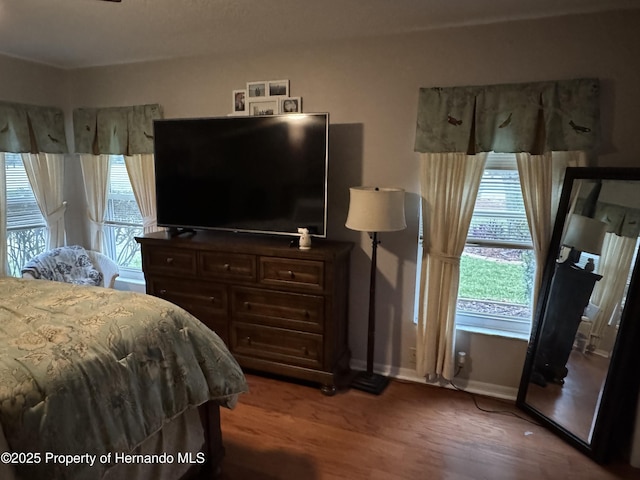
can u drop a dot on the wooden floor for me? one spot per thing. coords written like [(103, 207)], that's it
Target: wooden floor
[(283, 430), (573, 405)]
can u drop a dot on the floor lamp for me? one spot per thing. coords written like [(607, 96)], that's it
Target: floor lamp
[(584, 234), (374, 210)]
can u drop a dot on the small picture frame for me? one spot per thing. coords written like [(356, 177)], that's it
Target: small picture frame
[(291, 105), (256, 90), (278, 88), (263, 106), (239, 101)]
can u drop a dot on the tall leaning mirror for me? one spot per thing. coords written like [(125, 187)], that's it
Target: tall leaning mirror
[(582, 368)]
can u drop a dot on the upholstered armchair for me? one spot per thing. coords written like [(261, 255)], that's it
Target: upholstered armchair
[(73, 264)]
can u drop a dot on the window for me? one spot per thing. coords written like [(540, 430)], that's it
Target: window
[(123, 221), (26, 227), (497, 266)]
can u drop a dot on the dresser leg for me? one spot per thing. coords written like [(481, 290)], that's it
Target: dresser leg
[(328, 390)]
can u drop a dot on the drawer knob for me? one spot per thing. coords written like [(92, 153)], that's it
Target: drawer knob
[(306, 314), (305, 350), (163, 291), (169, 259), (247, 305), (227, 267), (248, 339), (212, 299), (291, 274)]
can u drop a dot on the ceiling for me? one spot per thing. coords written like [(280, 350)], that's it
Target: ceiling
[(82, 33)]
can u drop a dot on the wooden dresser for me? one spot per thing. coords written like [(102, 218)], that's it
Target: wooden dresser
[(569, 294), (279, 309)]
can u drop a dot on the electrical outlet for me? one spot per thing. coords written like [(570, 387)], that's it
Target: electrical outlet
[(461, 358), (412, 357)]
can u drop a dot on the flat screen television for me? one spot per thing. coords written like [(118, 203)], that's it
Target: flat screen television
[(264, 174)]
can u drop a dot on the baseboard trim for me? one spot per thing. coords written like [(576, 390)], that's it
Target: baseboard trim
[(471, 386)]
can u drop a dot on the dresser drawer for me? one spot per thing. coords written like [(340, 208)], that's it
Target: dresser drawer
[(207, 302), (227, 266), (169, 261), (277, 344), (279, 309), (216, 322), (208, 296), (284, 272)]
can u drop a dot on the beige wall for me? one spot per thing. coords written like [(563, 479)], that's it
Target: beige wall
[(26, 82), (370, 87)]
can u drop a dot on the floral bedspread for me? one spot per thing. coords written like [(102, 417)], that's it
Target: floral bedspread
[(95, 370)]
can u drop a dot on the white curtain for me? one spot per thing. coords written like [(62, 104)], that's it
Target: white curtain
[(4, 267), (562, 161), (614, 266), (95, 172), (449, 187), (536, 182), (141, 171), (541, 179), (46, 176)]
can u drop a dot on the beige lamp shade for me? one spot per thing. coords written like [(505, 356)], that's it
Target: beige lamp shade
[(585, 234), (376, 209)]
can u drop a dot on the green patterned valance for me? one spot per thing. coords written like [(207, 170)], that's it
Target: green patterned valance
[(622, 220), (527, 117), (115, 130), (31, 129)]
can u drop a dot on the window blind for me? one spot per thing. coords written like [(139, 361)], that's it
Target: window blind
[(122, 206), (499, 216), (22, 208)]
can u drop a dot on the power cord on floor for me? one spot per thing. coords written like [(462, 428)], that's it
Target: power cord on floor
[(475, 402)]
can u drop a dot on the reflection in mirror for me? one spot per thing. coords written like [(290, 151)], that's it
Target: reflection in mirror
[(588, 288)]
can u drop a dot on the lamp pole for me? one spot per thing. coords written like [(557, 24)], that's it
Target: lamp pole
[(369, 381), (372, 304)]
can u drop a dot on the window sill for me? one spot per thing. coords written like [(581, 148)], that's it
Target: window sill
[(493, 332), (130, 284)]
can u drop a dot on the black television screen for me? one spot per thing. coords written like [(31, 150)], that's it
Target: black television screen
[(265, 174)]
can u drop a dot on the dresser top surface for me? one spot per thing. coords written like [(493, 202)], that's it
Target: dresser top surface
[(246, 243)]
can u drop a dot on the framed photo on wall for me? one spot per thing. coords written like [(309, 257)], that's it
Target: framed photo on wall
[(263, 107), (278, 88), (256, 89), (239, 101), (291, 105)]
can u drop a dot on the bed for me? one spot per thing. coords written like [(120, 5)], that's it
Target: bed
[(97, 383)]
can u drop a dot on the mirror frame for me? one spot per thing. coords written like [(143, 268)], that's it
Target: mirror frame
[(613, 426)]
